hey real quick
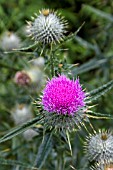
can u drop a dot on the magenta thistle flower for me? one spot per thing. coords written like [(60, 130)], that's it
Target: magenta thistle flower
[(63, 104), (63, 96)]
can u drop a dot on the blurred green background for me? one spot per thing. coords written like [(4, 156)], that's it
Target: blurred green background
[(91, 50)]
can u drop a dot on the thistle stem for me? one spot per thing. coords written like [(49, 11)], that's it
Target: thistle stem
[(52, 62), (52, 65)]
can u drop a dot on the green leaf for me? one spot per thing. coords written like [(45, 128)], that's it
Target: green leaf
[(69, 37), (24, 49), (85, 43), (16, 131), (98, 12), (90, 65), (4, 161), (97, 115), (44, 150), (96, 93), (69, 143)]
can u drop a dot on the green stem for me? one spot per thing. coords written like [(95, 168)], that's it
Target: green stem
[(52, 65), (52, 62)]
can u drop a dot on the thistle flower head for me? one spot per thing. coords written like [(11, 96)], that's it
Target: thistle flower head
[(47, 27), (63, 96), (63, 102), (99, 147)]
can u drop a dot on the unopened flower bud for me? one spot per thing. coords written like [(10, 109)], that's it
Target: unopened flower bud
[(47, 27), (10, 41), (22, 78), (21, 113)]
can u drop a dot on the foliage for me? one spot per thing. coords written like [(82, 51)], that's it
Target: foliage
[(86, 52)]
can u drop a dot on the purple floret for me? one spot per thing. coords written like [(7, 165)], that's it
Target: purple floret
[(63, 96)]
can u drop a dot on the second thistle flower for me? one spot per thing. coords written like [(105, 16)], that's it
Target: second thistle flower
[(47, 27)]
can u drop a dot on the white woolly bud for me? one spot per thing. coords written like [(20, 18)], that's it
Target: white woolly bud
[(21, 113), (10, 41), (39, 62), (35, 74), (99, 147), (29, 134), (47, 27)]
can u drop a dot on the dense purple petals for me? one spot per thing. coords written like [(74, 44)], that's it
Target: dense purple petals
[(63, 96)]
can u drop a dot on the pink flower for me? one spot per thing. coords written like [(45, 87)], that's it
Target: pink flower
[(22, 78), (63, 96)]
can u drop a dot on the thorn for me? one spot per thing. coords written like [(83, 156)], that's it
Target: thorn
[(36, 14), (32, 18)]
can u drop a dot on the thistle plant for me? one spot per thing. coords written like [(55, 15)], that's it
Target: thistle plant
[(62, 106)]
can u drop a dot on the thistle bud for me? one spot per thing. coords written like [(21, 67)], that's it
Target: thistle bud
[(29, 134), (22, 78), (21, 113), (99, 147), (47, 27), (10, 41)]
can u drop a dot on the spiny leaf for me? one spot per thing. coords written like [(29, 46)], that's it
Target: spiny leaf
[(97, 115), (44, 150), (16, 131), (101, 88), (4, 161), (98, 12), (24, 49), (69, 37), (96, 93), (85, 43), (69, 143), (90, 65)]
